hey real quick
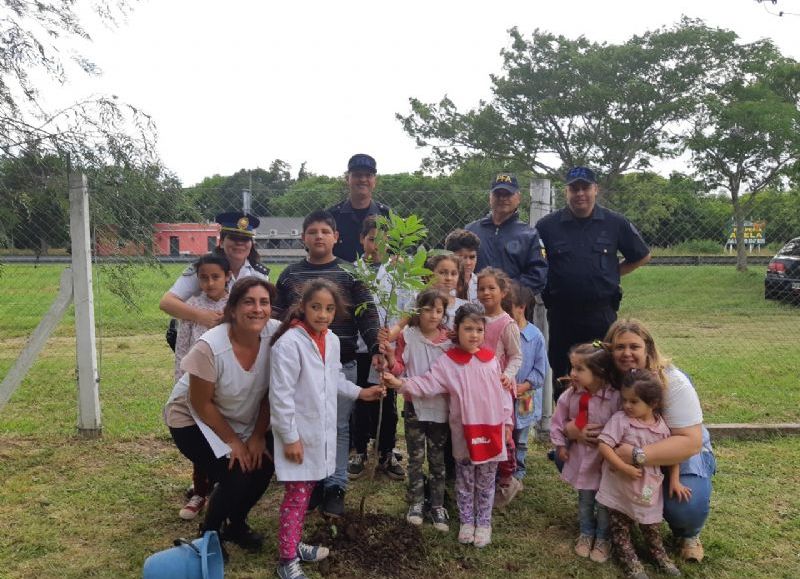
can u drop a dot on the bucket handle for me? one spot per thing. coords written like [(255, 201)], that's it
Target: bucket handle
[(188, 543)]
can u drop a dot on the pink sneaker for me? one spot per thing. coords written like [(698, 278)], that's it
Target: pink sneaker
[(192, 507)]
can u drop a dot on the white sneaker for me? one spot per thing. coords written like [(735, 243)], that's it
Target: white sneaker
[(466, 534), (192, 507), (483, 536)]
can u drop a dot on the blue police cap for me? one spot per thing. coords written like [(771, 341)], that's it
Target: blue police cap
[(238, 223), (581, 174), (505, 182), (362, 162)]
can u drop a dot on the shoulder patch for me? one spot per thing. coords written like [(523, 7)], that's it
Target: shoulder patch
[(261, 268), (189, 271)]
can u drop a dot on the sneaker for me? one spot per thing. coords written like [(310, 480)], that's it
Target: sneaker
[(333, 503), (291, 570), (317, 496), (601, 551), (357, 465), (192, 508), (312, 553), (414, 514), (466, 534), (583, 546), (692, 550), (389, 466), (483, 536), (440, 518), (504, 494), (243, 536)]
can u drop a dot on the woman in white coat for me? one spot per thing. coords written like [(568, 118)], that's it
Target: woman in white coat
[(305, 378)]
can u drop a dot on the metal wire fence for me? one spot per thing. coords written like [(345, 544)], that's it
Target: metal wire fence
[(713, 320)]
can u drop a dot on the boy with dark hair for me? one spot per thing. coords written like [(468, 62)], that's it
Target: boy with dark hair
[(465, 245), (319, 237)]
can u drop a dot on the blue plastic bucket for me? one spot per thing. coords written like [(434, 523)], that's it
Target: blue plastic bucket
[(199, 559)]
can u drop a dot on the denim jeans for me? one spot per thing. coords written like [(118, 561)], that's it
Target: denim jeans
[(686, 519), (344, 407), (592, 516), (521, 442)]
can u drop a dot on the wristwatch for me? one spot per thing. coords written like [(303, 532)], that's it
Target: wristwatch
[(638, 456)]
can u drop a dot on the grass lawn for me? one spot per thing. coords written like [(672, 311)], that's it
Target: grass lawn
[(75, 508)]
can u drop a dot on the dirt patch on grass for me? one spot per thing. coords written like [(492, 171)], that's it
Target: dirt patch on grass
[(372, 545)]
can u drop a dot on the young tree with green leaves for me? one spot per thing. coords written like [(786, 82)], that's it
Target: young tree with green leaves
[(402, 271)]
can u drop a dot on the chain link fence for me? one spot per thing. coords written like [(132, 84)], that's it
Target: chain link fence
[(713, 320)]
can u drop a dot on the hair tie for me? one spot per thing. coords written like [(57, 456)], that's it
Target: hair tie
[(597, 344)]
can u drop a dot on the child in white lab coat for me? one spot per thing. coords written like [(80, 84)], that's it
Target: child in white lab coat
[(305, 379)]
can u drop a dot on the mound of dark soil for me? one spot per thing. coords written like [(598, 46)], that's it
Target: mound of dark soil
[(372, 545)]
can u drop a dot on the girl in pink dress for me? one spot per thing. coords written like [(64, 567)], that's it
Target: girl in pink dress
[(479, 416), (633, 494), (589, 400), (503, 337)]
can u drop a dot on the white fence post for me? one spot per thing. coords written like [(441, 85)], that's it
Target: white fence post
[(541, 205), (88, 395)]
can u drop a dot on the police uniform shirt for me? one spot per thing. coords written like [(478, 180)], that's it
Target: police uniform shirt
[(582, 255), (187, 285), (348, 223)]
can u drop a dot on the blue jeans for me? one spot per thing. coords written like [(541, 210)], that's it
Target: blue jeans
[(686, 519), (344, 407), (592, 516), (521, 442)]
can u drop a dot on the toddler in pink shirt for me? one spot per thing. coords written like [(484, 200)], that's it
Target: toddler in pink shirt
[(589, 400), (632, 494)]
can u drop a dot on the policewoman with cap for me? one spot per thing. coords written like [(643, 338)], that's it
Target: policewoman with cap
[(583, 294), (237, 244), (350, 214)]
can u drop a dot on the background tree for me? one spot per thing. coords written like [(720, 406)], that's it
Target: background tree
[(561, 102), (37, 40), (746, 131)]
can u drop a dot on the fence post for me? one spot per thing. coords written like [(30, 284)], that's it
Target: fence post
[(541, 205), (88, 395)]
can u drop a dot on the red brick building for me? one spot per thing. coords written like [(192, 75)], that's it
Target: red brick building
[(185, 238)]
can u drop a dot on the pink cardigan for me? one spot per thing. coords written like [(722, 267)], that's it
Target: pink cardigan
[(478, 403)]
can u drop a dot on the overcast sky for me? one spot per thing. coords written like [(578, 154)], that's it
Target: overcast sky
[(236, 84)]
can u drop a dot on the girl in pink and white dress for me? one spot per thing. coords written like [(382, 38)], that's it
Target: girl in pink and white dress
[(479, 416), (632, 494)]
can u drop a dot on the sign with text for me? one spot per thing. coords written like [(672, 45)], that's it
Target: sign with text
[(753, 234)]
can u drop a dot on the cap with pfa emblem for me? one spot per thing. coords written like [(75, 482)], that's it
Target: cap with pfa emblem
[(505, 182), (239, 224)]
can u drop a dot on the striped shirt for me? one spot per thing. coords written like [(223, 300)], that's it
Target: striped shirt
[(354, 292)]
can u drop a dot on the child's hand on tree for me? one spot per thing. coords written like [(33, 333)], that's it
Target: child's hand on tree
[(294, 452), (681, 492), (390, 380), (562, 453), (388, 351), (372, 393)]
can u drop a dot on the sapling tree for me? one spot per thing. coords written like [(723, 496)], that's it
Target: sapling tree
[(400, 273)]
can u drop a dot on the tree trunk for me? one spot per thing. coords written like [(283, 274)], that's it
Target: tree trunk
[(738, 223)]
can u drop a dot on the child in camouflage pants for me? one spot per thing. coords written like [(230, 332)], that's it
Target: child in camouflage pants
[(426, 426)]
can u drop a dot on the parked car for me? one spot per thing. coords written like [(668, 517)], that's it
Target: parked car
[(783, 273)]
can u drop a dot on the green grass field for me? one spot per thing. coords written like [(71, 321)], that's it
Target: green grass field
[(75, 508)]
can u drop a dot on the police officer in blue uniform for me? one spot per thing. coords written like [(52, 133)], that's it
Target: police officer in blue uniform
[(583, 292), (506, 242), (350, 214)]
